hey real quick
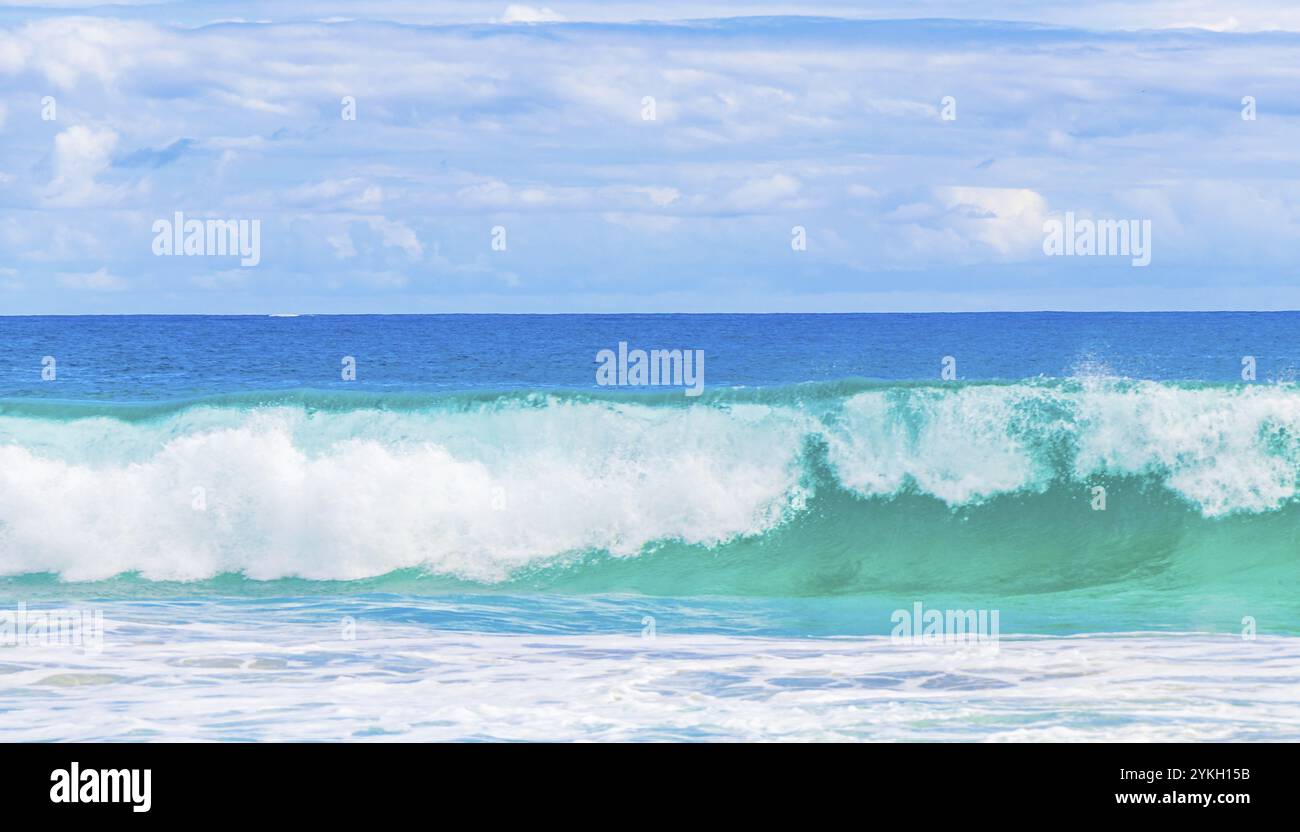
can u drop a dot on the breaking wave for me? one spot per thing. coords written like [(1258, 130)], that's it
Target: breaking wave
[(850, 486)]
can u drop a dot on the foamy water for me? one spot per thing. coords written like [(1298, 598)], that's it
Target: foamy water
[(285, 671), (477, 490)]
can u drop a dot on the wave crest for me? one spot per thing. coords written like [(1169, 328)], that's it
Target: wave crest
[(480, 487)]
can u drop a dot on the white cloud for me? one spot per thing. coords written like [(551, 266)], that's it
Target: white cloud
[(497, 194), (642, 223), (764, 193), (1008, 220), (516, 13), (397, 235), (342, 244), (661, 197), (80, 154), (353, 193), (834, 123), (67, 50)]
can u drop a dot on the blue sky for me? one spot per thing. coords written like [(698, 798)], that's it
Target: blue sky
[(530, 117)]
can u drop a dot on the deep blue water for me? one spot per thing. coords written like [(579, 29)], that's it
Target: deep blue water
[(164, 357)]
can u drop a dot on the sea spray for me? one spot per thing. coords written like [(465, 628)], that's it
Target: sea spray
[(813, 489)]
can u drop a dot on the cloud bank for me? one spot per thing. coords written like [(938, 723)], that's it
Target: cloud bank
[(569, 157)]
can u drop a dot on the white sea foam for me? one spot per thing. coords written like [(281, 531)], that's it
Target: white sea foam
[(228, 672), (959, 445), (1223, 450), (342, 496)]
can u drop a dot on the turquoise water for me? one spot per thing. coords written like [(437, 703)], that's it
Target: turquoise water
[(863, 494), (209, 482)]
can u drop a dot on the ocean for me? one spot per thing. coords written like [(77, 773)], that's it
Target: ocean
[(443, 528)]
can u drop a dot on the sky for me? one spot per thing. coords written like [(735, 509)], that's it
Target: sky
[(529, 126)]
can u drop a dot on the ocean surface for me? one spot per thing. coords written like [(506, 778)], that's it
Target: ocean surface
[(472, 539)]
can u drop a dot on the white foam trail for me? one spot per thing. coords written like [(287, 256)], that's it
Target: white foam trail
[(182, 679)]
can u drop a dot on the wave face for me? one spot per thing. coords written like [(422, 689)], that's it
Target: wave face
[(809, 490)]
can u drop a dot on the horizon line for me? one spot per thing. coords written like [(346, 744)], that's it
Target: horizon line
[(646, 314)]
